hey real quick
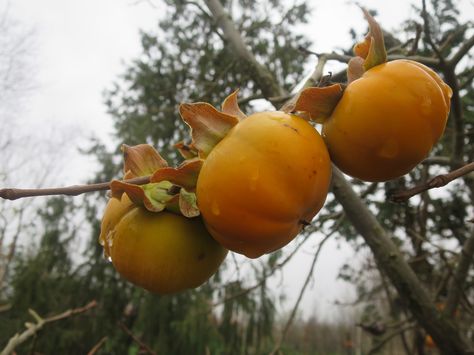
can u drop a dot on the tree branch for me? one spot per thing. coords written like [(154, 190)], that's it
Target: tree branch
[(403, 278), (380, 344), (97, 346), (386, 253), (435, 182), (300, 296), (13, 194), (140, 343), (462, 51), (448, 68), (33, 328), (456, 285), (262, 76)]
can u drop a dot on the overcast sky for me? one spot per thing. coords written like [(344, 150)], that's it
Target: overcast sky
[(81, 47)]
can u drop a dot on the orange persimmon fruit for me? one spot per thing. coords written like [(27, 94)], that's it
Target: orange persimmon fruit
[(387, 121), (263, 182), (162, 252)]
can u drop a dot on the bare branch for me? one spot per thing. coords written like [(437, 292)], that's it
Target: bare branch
[(13, 194), (140, 343), (416, 40), (380, 344), (386, 253), (426, 27), (389, 259), (97, 346), (435, 182), (467, 81), (300, 296), (456, 284), (33, 328), (463, 50), (263, 77), (264, 278)]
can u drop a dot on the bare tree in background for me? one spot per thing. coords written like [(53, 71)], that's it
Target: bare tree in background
[(16, 83)]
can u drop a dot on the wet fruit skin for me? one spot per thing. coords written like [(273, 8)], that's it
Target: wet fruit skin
[(161, 252), (387, 121), (259, 185)]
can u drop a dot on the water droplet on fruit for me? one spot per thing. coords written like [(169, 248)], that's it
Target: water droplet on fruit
[(215, 209), (389, 149)]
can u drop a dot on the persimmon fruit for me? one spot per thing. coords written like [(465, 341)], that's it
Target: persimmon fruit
[(387, 121), (162, 252), (263, 182)]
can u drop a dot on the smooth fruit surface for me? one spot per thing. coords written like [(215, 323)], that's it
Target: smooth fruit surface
[(387, 121), (161, 252), (261, 183)]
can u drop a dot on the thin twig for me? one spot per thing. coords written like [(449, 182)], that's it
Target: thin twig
[(462, 51), (300, 296), (458, 279), (437, 181), (5, 307), (74, 190), (140, 343), (448, 68), (33, 328), (429, 40), (416, 40), (262, 281), (387, 338), (97, 346)]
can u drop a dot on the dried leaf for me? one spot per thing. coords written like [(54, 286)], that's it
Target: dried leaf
[(187, 151), (231, 107), (318, 102), (208, 125), (141, 160), (185, 175), (372, 49)]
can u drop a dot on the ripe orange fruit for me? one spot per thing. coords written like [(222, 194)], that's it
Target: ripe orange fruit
[(387, 121), (162, 252), (263, 182)]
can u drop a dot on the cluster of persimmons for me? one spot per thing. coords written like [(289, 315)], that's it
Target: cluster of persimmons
[(250, 184)]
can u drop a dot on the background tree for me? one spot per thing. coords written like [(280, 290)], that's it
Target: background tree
[(143, 103), (200, 53)]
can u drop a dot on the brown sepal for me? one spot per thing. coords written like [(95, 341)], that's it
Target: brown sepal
[(140, 195), (318, 102), (372, 49), (208, 125), (231, 107), (187, 151), (185, 175), (141, 160)]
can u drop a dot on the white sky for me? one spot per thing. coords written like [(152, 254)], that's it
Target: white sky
[(81, 47)]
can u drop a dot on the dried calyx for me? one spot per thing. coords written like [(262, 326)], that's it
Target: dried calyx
[(318, 103), (169, 188), (172, 188)]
